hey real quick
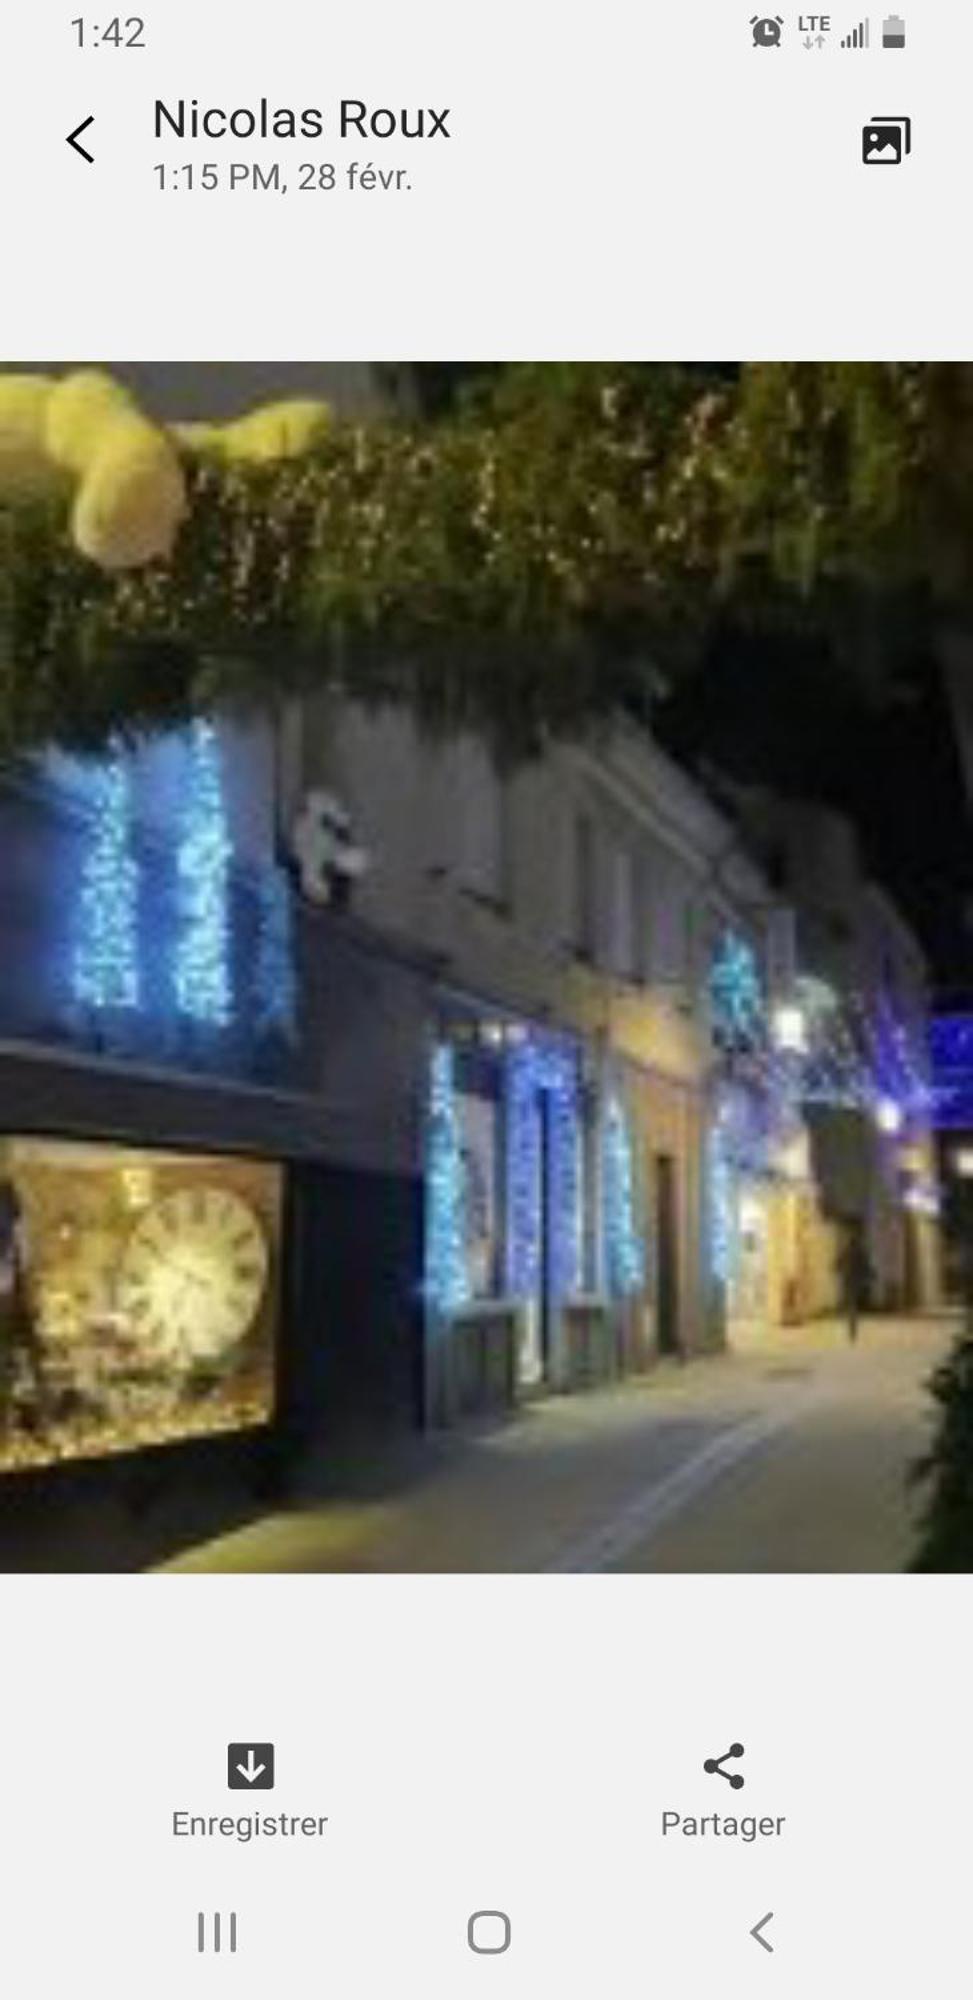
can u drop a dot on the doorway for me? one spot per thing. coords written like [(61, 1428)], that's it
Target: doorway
[(911, 1264), (748, 1302), (667, 1254)]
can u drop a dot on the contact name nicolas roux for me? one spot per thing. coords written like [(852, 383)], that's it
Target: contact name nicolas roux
[(187, 118)]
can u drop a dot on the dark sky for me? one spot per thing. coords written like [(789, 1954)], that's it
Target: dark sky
[(790, 717)]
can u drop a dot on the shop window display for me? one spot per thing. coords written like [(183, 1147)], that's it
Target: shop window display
[(137, 1298)]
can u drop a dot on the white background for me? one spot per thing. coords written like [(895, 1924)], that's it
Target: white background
[(628, 180)]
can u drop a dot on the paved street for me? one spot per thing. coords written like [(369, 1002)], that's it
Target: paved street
[(793, 1457)]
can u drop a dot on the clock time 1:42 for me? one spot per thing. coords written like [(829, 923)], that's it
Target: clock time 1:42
[(117, 33)]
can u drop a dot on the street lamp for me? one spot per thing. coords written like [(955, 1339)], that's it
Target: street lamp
[(790, 1029), (888, 1116)]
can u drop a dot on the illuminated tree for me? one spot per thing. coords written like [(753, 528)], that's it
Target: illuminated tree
[(105, 975)]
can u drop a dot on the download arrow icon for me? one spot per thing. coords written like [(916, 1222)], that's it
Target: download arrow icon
[(250, 1766)]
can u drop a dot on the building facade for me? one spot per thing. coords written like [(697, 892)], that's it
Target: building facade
[(578, 912)]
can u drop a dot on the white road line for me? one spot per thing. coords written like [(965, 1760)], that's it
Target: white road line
[(641, 1518)]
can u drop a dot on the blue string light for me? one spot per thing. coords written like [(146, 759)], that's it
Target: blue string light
[(566, 1221), (524, 1180), (834, 1072), (275, 977), (202, 974), (543, 1079), (105, 970), (951, 1050), (447, 1285), (722, 1199), (736, 993), (857, 1055), (898, 1075), (624, 1250)]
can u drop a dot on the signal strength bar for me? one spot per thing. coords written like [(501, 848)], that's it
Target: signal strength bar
[(858, 39)]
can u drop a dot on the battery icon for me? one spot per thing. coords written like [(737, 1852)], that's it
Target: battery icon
[(893, 32)]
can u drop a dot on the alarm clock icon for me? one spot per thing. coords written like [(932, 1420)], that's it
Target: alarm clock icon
[(766, 30)]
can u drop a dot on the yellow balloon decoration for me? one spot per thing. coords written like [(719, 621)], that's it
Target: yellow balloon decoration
[(80, 411), (278, 430), (132, 498), (127, 473)]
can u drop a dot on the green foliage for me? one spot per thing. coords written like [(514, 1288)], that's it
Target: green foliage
[(947, 1532), (562, 540)]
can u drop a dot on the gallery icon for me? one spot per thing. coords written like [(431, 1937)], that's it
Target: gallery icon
[(714, 1767), (767, 30), (886, 142), (893, 32)]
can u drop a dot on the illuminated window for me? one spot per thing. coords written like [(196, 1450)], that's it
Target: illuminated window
[(137, 1297)]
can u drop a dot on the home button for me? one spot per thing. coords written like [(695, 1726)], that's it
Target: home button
[(488, 1932)]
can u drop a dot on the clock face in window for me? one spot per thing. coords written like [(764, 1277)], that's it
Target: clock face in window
[(193, 1273)]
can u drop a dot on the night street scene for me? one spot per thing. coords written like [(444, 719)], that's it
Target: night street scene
[(486, 967)]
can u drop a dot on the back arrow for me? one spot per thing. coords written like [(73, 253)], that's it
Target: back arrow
[(251, 1770), (73, 137), (755, 1933)]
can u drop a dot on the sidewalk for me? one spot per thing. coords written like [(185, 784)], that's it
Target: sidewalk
[(790, 1457)]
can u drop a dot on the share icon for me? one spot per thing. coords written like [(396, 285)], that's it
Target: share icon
[(715, 1764)]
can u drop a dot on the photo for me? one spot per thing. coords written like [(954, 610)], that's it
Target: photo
[(486, 967)]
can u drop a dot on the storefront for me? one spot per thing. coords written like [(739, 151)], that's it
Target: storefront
[(533, 1215), (210, 1217)]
